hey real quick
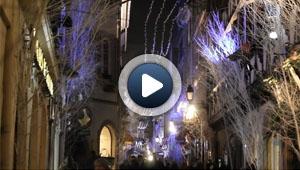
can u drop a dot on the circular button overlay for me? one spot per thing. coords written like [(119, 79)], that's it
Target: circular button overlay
[(150, 85)]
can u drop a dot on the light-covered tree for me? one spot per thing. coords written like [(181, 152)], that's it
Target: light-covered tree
[(76, 27), (273, 25), (285, 112), (230, 96)]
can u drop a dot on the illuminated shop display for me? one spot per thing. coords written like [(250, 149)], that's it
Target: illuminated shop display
[(44, 67)]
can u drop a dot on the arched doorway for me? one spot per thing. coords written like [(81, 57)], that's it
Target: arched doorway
[(107, 142)]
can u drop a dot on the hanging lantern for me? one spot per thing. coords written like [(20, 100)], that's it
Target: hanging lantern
[(190, 93)]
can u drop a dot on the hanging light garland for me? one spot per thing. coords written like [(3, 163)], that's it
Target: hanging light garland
[(164, 27), (145, 25), (155, 26)]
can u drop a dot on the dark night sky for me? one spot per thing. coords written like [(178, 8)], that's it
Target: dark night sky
[(139, 11)]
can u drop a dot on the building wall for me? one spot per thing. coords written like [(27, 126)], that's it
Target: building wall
[(23, 103), (3, 30), (13, 16), (105, 111), (104, 103)]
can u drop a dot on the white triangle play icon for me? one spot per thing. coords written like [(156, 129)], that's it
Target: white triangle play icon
[(150, 85)]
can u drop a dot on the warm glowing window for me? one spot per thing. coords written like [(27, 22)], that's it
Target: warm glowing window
[(105, 148), (125, 14)]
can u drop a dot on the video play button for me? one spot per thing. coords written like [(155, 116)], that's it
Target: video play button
[(149, 85)]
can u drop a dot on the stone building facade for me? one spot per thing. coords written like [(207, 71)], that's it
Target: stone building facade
[(25, 97), (224, 143), (105, 105)]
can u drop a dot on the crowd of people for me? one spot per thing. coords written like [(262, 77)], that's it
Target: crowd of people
[(139, 162), (96, 162)]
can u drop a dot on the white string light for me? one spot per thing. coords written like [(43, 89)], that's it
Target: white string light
[(155, 25), (145, 25), (164, 27), (170, 37)]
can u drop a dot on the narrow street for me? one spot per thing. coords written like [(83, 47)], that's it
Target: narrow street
[(150, 84)]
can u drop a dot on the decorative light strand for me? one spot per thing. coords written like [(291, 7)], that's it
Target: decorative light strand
[(155, 26), (164, 27), (77, 49), (145, 25), (170, 37)]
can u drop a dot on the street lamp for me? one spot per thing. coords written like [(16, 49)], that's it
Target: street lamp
[(190, 93)]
